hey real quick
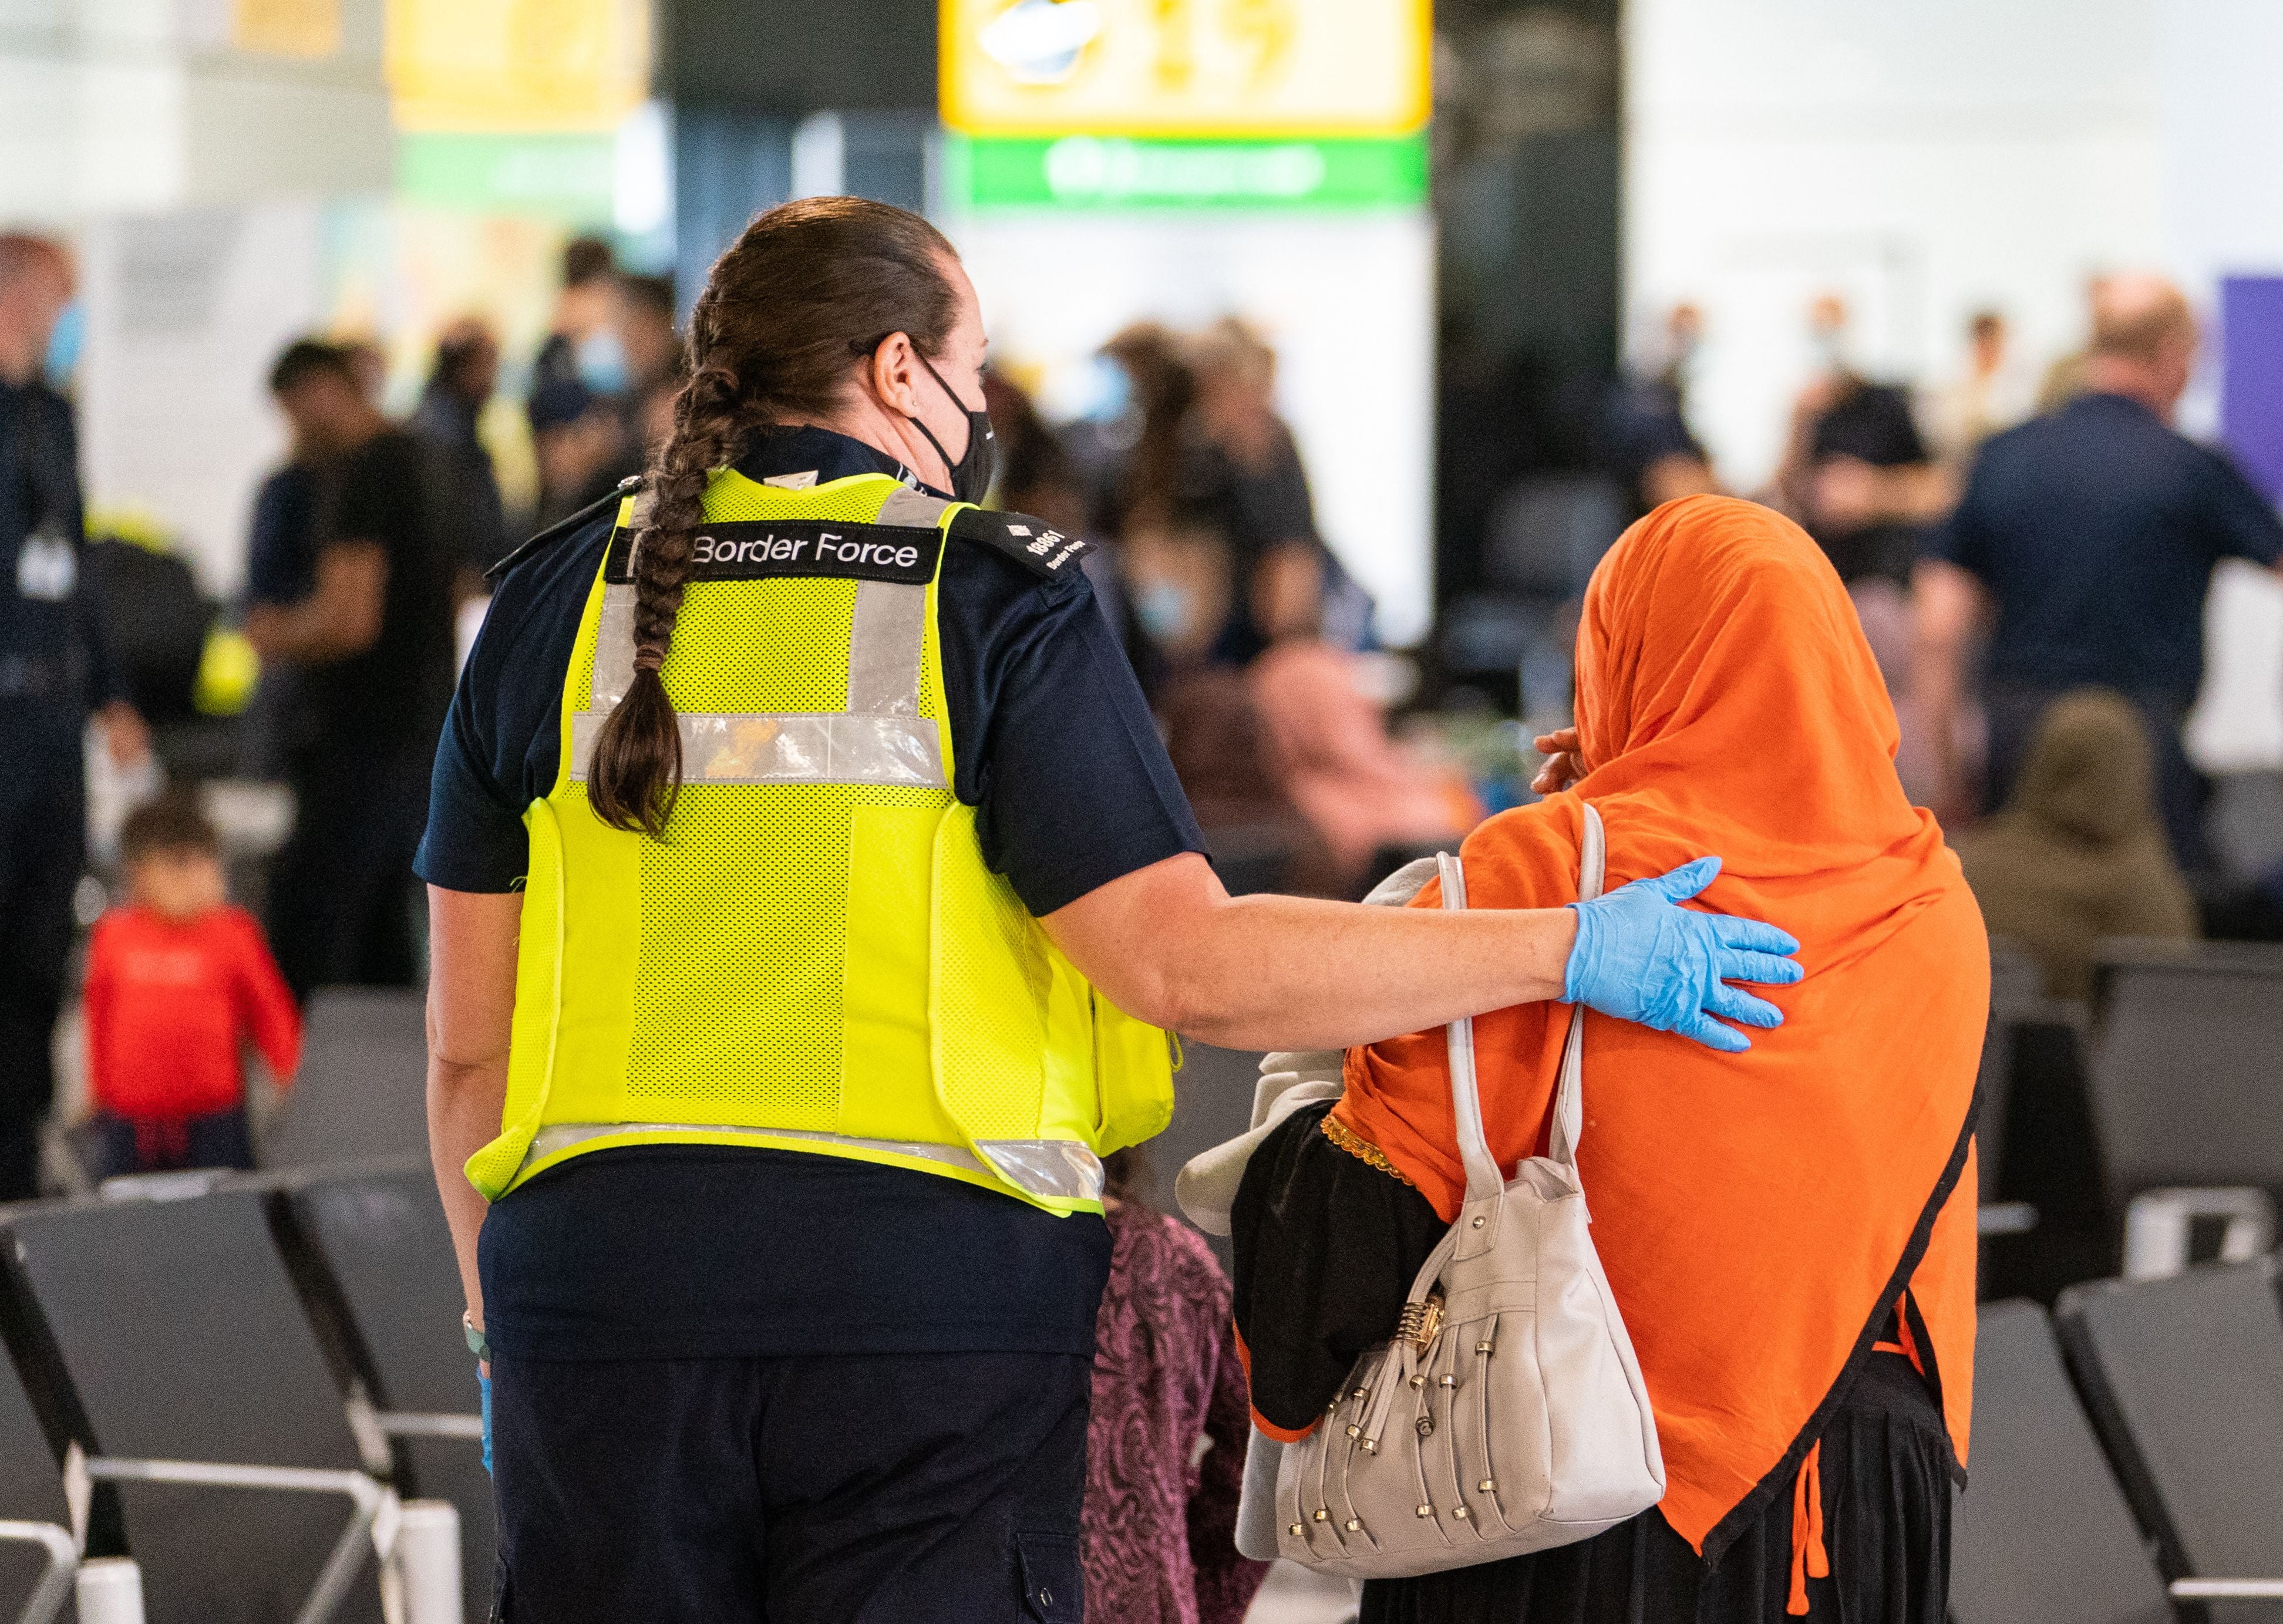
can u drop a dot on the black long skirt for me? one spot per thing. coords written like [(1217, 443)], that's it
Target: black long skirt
[(1884, 1464)]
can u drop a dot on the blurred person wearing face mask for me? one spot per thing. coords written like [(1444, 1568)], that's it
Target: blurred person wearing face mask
[(449, 419), (55, 669), (2081, 555), (1646, 442), (582, 344), (587, 392)]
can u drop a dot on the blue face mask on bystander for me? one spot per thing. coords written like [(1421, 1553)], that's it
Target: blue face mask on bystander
[(66, 339), (602, 361)]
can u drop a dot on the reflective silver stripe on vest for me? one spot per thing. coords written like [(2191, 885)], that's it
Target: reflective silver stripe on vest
[(1054, 1170), (829, 747), (878, 739)]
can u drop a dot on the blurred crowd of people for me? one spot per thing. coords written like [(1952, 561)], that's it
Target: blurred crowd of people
[(1250, 640), (2031, 557), (364, 546)]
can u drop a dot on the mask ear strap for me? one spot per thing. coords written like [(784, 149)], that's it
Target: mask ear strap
[(950, 464)]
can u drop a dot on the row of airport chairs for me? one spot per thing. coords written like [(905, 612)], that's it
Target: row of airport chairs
[(252, 1386), (2127, 1455), (2180, 1055)]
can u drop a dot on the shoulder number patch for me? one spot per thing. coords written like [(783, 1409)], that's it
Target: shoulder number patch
[(1037, 546)]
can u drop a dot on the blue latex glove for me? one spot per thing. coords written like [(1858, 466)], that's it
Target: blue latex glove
[(1640, 956), (483, 1378)]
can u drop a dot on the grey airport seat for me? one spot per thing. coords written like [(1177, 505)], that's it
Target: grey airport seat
[(2186, 1064), (208, 1399), (2043, 1533), (362, 1091), (381, 1237), (2017, 998), (2183, 1378), (38, 1554)]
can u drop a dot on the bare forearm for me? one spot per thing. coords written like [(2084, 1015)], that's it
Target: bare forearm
[(339, 618), (1271, 972), (463, 1115)]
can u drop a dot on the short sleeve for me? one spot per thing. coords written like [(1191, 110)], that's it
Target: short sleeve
[(475, 840), (502, 743), (377, 497), (1052, 742), (2243, 522)]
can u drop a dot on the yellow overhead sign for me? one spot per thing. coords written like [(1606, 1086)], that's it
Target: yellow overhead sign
[(1185, 67), (517, 65), (310, 29)]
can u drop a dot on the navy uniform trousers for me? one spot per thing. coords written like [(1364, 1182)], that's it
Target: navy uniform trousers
[(834, 1489)]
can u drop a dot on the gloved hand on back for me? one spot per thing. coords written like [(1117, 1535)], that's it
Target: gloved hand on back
[(1641, 957)]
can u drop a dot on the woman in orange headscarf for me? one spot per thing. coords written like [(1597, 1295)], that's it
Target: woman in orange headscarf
[(1789, 1231)]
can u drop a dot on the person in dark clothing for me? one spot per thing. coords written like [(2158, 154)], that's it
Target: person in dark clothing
[(373, 646), (54, 668), (1856, 474), (281, 570), (1242, 467), (450, 410), (2087, 541)]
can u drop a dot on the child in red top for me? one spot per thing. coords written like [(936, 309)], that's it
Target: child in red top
[(176, 981)]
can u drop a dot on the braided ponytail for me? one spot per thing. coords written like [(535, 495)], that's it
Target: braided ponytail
[(635, 776), (807, 287)]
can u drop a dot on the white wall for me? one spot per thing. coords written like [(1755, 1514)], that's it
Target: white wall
[(186, 313)]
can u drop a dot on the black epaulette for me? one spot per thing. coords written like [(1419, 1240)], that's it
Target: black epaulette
[(1046, 552), (563, 526)]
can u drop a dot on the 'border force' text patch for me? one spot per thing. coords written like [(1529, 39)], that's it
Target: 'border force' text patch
[(774, 549)]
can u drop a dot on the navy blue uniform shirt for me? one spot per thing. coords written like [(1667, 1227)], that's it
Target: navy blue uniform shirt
[(2096, 530), (693, 1251), (54, 658)]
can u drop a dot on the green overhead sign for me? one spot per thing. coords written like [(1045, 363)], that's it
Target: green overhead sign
[(568, 177), (1120, 172)]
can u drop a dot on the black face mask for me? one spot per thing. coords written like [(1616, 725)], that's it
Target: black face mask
[(978, 466)]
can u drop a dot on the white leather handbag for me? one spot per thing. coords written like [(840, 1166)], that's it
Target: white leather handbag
[(1507, 1415)]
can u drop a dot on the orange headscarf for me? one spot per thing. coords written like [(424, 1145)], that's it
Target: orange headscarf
[(1758, 1213)]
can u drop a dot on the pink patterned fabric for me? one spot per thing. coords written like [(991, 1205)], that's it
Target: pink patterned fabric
[(1160, 1505)]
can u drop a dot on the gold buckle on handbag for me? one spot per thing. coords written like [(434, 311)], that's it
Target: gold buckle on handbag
[(1421, 1322)]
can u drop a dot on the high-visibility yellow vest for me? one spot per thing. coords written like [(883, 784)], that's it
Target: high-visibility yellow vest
[(816, 957)]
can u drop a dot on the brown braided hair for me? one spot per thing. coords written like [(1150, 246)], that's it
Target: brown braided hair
[(808, 288)]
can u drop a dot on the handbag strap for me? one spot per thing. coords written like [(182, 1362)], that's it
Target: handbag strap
[(1569, 1096), (1483, 1176)]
